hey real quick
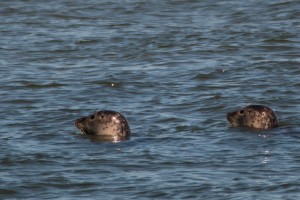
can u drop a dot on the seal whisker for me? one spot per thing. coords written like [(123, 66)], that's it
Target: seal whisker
[(82, 130)]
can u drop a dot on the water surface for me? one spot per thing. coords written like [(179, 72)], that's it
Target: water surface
[(174, 69)]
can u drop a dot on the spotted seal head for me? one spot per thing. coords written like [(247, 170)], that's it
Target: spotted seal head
[(104, 123), (253, 116)]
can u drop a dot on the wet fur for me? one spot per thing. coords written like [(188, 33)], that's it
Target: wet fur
[(253, 116), (104, 123)]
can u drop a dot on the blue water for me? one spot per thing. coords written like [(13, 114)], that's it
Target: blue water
[(174, 69)]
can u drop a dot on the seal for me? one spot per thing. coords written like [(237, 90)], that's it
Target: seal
[(253, 116), (104, 123)]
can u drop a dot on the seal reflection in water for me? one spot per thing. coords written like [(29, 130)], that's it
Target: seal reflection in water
[(253, 116), (104, 125)]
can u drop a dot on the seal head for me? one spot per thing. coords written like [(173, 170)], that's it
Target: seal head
[(104, 123), (253, 116)]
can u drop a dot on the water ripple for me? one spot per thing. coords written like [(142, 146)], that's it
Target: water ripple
[(174, 70)]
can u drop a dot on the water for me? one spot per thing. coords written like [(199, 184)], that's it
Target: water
[(174, 69)]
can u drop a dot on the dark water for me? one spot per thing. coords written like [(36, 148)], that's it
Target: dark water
[(174, 69)]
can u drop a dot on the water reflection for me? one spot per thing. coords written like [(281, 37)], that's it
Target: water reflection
[(106, 138)]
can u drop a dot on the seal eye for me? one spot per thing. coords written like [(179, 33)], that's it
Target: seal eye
[(242, 112), (92, 117)]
